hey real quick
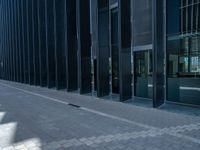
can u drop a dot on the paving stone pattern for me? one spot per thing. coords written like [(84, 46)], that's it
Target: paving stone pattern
[(34, 118)]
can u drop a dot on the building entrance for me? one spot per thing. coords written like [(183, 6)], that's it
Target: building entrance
[(143, 86)]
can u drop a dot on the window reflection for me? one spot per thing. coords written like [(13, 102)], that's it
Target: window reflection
[(143, 74), (184, 70), (142, 26), (183, 51)]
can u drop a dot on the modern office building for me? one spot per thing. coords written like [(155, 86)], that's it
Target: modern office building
[(133, 49)]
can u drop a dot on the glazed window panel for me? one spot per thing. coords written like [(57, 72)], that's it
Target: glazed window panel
[(183, 52), (142, 26), (184, 70)]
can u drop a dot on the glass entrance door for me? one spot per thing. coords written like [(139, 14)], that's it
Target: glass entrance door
[(143, 86), (115, 50)]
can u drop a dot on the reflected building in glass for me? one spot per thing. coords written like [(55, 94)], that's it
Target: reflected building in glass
[(139, 50), (183, 51)]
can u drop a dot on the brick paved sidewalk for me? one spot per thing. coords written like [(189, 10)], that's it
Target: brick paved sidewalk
[(38, 119)]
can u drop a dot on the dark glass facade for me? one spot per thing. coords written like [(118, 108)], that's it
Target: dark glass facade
[(146, 49), (142, 26), (183, 51), (143, 74)]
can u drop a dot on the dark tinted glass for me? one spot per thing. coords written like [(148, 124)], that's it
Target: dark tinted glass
[(143, 74), (183, 53), (184, 70), (142, 23), (115, 50), (184, 2), (199, 17), (174, 17)]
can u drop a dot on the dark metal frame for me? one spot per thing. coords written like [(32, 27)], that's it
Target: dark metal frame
[(84, 45), (125, 50), (36, 42), (50, 43), (42, 41), (71, 46), (103, 48), (158, 53), (60, 40)]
